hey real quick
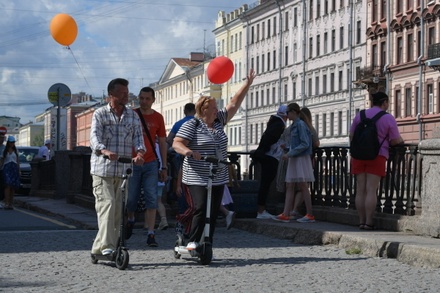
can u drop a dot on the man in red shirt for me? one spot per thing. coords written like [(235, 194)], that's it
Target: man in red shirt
[(147, 176)]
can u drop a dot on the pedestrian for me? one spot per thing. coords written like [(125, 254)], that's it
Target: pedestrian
[(176, 161), (115, 131), (268, 154), (147, 176), (3, 132), (299, 167), (282, 167), (369, 172), (45, 150), (11, 172), (205, 136)]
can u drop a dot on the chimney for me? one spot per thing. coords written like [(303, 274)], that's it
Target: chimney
[(197, 57)]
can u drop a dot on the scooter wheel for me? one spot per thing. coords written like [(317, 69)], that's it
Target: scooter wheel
[(94, 259), (122, 258), (206, 254), (178, 243)]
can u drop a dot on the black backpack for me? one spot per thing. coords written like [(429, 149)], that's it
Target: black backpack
[(365, 143)]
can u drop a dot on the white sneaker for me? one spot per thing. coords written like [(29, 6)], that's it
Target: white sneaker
[(229, 219), (264, 215), (107, 251), (192, 245), (163, 225)]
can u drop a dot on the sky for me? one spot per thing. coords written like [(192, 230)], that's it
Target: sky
[(132, 39)]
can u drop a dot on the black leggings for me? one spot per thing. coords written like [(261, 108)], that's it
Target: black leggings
[(199, 196), (269, 168)]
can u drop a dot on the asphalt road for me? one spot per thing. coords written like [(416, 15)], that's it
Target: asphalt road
[(25, 220), (58, 260)]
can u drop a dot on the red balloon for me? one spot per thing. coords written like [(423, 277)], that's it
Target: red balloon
[(220, 70)]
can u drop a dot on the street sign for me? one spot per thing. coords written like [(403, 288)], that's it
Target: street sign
[(61, 92)]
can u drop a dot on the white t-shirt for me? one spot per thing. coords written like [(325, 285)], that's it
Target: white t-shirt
[(43, 152)]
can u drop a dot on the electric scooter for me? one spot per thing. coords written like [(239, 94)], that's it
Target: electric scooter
[(204, 249), (120, 256)]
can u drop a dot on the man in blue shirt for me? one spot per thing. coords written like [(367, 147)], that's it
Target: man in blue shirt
[(189, 110)]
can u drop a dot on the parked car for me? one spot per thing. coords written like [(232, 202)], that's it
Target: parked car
[(26, 154)]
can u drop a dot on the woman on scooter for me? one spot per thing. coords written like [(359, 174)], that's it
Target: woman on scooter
[(200, 137)]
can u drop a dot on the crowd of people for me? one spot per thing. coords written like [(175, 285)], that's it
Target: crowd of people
[(285, 154)]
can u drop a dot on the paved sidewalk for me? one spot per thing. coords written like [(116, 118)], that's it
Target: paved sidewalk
[(406, 248)]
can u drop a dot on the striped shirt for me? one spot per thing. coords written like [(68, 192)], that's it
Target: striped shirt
[(208, 142), (116, 135)]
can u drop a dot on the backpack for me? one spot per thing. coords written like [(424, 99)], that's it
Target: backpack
[(365, 143)]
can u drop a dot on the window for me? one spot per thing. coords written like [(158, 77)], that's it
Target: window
[(318, 8), (252, 100), (430, 99), (258, 65), (399, 5), (341, 37), (268, 96), (273, 95), (324, 124), (333, 40), (262, 98), (295, 17), (262, 30), (325, 42), (383, 54), (310, 48), (286, 21), (252, 63), (340, 80), (232, 44), (374, 60), (316, 85), (274, 26), (358, 32), (431, 35), (286, 55), (333, 5), (311, 10), (332, 82), (332, 124), (325, 7), (324, 84), (398, 105), (409, 48), (257, 101), (262, 63), (294, 53), (318, 44), (383, 9), (268, 61), (252, 35), (399, 50), (258, 33), (274, 59), (340, 123), (293, 90), (251, 128), (285, 93), (239, 41), (268, 28), (310, 87), (408, 102), (341, 3), (317, 124)]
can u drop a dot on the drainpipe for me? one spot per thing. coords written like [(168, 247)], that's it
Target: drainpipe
[(420, 63), (246, 117), (303, 78), (280, 51), (385, 68), (350, 43)]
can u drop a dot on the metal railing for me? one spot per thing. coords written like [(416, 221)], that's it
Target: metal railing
[(334, 186)]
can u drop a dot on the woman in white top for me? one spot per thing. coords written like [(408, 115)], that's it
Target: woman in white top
[(11, 172)]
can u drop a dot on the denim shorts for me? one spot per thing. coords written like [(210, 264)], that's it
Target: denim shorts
[(145, 177)]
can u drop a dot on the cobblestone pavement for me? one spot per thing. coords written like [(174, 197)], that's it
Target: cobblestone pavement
[(59, 261)]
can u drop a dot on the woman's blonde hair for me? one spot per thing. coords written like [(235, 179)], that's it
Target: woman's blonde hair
[(202, 104)]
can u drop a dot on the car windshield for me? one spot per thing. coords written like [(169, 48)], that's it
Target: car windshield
[(26, 155)]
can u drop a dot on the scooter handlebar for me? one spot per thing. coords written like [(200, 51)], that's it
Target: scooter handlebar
[(215, 160), (122, 159)]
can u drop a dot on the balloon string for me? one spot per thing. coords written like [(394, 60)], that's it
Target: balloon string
[(85, 79)]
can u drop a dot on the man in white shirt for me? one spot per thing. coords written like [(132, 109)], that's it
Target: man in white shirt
[(44, 151)]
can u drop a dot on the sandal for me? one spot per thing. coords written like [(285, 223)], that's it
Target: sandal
[(369, 227)]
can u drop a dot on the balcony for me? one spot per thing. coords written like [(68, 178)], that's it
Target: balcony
[(433, 60), (370, 77)]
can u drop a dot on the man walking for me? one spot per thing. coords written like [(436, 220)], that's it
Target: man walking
[(146, 176)]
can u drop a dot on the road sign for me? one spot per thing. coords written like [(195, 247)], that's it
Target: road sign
[(59, 91)]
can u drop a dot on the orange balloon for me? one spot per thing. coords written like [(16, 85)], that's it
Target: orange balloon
[(63, 29)]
